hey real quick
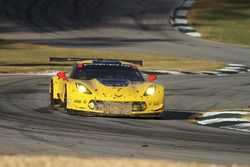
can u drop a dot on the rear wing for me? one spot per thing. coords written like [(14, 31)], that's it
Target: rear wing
[(60, 59)]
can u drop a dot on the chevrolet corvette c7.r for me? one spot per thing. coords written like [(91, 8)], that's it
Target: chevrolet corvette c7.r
[(106, 87)]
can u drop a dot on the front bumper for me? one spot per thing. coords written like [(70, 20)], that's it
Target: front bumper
[(117, 108), (126, 109), (141, 115)]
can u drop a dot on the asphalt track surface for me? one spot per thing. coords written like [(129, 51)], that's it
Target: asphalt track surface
[(28, 127)]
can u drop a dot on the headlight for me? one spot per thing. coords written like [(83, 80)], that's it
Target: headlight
[(83, 89), (150, 91)]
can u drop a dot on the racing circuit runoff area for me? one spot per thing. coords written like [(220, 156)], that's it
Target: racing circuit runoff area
[(29, 128)]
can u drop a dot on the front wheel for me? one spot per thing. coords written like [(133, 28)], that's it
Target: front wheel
[(52, 100), (162, 115), (65, 104), (65, 99)]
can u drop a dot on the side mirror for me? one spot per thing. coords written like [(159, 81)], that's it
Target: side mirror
[(152, 78), (61, 75)]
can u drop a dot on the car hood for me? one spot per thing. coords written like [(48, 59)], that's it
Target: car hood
[(116, 90)]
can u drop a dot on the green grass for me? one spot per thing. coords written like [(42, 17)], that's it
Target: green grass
[(222, 20), (23, 57)]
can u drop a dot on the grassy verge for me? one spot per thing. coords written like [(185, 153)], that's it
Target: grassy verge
[(222, 20), (22, 57)]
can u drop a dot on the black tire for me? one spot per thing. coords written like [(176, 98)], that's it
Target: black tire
[(52, 101), (65, 99), (162, 115), (70, 112)]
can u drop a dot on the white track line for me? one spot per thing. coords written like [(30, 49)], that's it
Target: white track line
[(186, 28), (234, 68), (175, 73), (188, 4), (209, 114), (166, 72), (182, 13), (244, 127), (180, 21), (228, 70), (219, 120), (194, 34), (237, 65)]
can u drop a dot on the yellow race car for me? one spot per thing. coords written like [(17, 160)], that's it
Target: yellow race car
[(106, 87)]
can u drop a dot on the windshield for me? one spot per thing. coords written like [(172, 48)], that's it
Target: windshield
[(104, 71)]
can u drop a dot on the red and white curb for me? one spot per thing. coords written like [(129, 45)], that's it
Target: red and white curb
[(178, 18), (226, 119)]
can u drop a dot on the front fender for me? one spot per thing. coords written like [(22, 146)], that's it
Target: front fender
[(58, 87)]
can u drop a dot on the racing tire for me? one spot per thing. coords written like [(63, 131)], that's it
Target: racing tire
[(162, 115), (52, 100), (65, 99), (68, 111)]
